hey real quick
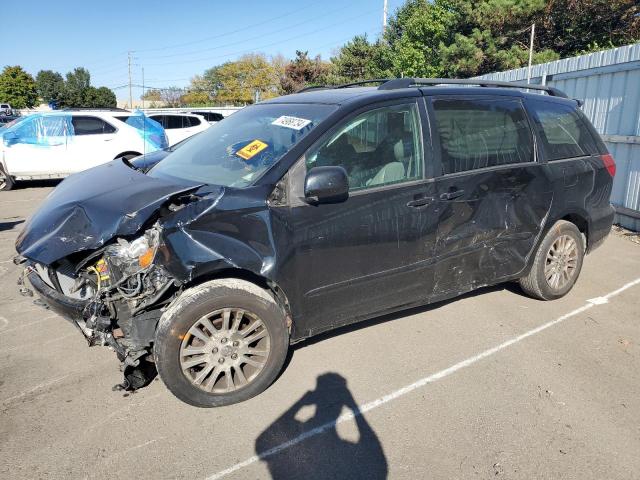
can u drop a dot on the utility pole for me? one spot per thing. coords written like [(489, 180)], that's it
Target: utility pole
[(143, 88), (533, 34), (384, 17), (130, 94)]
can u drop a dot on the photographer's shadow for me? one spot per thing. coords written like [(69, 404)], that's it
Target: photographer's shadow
[(322, 453)]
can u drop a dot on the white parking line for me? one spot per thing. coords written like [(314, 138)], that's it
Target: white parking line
[(22, 325), (48, 342), (34, 389), (420, 383)]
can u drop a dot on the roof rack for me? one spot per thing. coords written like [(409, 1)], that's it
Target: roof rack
[(105, 109), (398, 83), (317, 87), (346, 85)]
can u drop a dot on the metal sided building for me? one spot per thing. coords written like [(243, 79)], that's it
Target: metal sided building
[(608, 82)]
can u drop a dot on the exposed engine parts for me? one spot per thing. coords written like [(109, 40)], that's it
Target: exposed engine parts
[(122, 292)]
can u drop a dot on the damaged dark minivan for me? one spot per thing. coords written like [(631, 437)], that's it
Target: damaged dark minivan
[(311, 211)]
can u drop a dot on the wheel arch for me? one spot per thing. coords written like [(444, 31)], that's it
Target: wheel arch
[(580, 220), (261, 281), (129, 152)]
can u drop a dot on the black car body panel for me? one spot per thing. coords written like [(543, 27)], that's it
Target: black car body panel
[(90, 208), (332, 264)]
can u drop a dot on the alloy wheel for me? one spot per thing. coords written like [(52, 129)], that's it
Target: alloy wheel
[(225, 350), (561, 262)]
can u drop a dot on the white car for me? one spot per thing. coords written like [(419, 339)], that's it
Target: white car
[(57, 144), (5, 109), (180, 125)]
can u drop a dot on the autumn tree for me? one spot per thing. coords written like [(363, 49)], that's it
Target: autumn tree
[(303, 71), (239, 82)]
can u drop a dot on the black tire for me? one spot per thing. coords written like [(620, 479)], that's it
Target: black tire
[(6, 181), (535, 284), (199, 301)]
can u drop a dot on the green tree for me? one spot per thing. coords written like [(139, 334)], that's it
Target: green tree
[(17, 87), (49, 85), (460, 38), (417, 51), (75, 86), (360, 59), (99, 98)]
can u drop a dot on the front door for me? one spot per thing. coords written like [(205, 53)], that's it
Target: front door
[(370, 253), (37, 148), (493, 195)]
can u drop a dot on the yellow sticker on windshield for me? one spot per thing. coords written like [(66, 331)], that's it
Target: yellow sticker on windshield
[(252, 149)]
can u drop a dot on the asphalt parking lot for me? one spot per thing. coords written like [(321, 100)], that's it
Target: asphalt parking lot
[(491, 385)]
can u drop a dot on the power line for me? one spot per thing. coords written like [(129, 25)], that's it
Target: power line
[(264, 46), (197, 89), (231, 32), (245, 40)]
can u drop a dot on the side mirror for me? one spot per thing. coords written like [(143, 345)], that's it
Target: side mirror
[(10, 138), (326, 185)]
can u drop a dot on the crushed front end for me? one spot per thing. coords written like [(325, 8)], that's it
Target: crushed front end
[(114, 296)]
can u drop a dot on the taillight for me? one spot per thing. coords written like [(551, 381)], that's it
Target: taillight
[(609, 164)]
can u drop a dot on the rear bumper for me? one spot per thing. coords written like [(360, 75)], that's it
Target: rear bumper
[(68, 308), (600, 227)]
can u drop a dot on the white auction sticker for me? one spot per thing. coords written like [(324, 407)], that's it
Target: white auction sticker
[(291, 122)]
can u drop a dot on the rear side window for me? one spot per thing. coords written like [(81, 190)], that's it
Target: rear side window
[(191, 122), (161, 119), (563, 133), (90, 126), (480, 133), (175, 121)]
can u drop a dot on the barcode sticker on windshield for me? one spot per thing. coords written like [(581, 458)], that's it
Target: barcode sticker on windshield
[(291, 122), (251, 149)]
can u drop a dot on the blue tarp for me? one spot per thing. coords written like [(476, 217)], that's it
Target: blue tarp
[(57, 129)]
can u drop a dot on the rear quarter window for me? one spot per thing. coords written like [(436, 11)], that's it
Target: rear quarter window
[(563, 132)]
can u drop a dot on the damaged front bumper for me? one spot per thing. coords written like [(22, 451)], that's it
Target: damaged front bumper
[(70, 309)]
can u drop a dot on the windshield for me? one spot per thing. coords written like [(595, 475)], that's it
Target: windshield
[(12, 122), (237, 151)]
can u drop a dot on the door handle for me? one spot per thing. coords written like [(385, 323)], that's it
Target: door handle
[(420, 202), (451, 195)]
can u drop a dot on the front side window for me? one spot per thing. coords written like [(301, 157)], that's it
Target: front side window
[(376, 148), (42, 130), (562, 131), (480, 133), (237, 151)]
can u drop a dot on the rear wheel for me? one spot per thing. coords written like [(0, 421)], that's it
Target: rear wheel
[(6, 181), (557, 263), (221, 342)]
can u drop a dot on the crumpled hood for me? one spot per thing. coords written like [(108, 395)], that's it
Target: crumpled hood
[(90, 208)]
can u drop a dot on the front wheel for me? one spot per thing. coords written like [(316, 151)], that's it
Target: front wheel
[(220, 343), (557, 263), (6, 181)]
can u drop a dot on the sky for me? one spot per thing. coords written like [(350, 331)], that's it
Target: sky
[(173, 41)]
